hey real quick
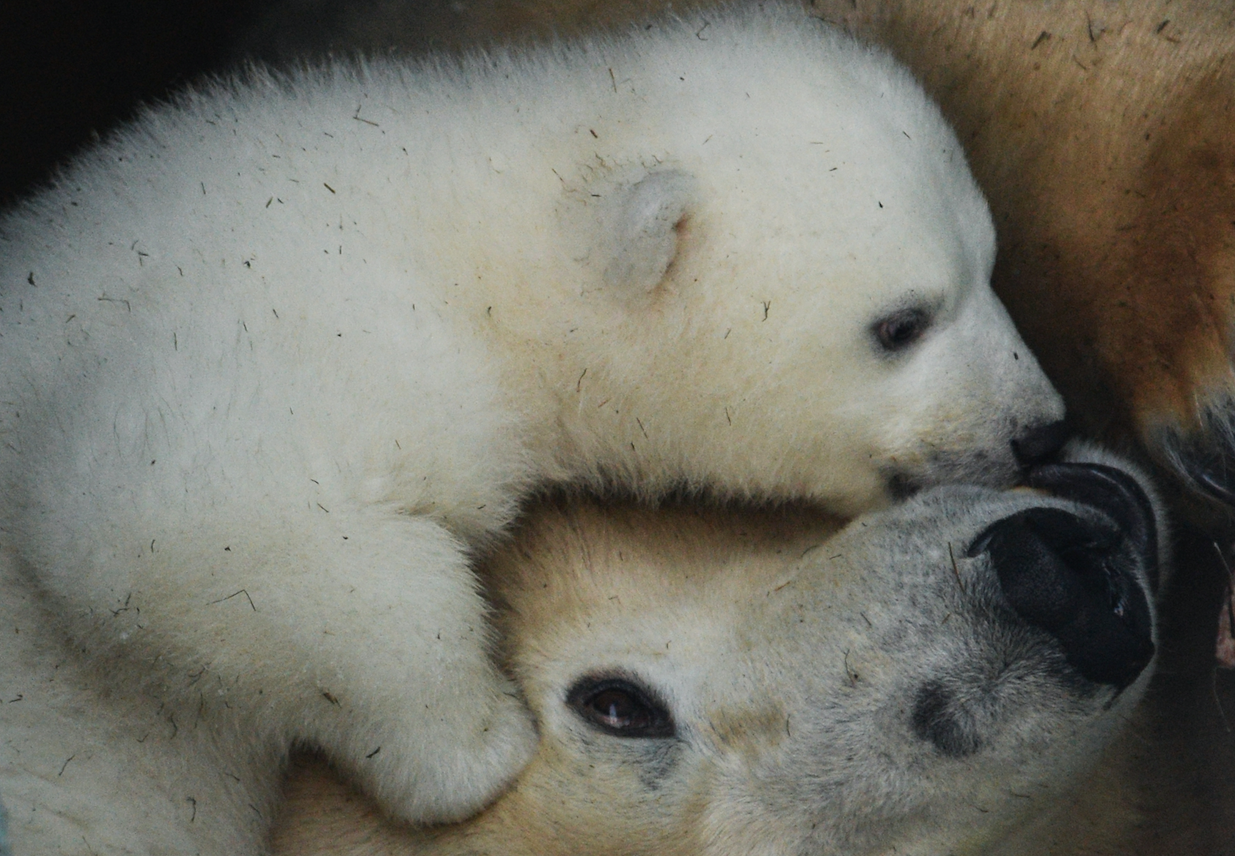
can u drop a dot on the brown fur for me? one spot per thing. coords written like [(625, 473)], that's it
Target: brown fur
[(1102, 135), (1107, 151)]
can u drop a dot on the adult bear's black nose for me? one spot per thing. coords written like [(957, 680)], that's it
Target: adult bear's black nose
[(1039, 442), (1115, 492), (1076, 578)]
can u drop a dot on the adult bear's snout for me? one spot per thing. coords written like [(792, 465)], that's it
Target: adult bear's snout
[(1076, 577), (1115, 492)]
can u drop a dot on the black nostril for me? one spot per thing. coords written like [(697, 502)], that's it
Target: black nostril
[(1113, 491), (1069, 576), (1040, 442)]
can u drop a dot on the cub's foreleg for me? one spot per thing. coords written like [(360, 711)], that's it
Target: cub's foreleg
[(359, 631)]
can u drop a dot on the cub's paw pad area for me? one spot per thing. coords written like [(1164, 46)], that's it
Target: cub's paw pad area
[(453, 769)]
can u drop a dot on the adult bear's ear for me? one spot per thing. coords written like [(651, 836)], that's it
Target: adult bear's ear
[(644, 223)]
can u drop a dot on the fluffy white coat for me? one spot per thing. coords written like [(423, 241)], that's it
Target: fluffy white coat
[(277, 359)]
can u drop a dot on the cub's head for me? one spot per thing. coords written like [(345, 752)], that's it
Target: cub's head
[(785, 264), (760, 683)]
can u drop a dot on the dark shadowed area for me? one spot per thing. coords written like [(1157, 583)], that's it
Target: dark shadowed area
[(72, 68)]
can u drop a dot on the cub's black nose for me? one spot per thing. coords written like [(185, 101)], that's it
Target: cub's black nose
[(1040, 442), (1075, 577)]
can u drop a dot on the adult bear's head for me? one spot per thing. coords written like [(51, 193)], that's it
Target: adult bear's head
[(918, 682)]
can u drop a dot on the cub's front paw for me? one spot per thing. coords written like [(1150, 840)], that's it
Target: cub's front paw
[(461, 748)]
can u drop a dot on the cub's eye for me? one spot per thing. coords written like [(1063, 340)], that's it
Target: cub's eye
[(619, 707), (901, 329)]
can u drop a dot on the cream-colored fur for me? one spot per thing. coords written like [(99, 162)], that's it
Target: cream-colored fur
[(793, 661), (1099, 130), (1102, 134), (97, 760), (278, 359)]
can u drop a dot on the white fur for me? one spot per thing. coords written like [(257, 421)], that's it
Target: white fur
[(277, 358), (792, 661)]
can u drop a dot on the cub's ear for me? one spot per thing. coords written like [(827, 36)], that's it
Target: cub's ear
[(643, 223)]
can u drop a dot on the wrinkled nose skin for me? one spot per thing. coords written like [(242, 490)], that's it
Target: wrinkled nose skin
[(1076, 577), (1040, 443), (1113, 491)]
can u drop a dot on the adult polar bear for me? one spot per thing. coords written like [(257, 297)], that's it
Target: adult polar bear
[(729, 684), (280, 357), (892, 685)]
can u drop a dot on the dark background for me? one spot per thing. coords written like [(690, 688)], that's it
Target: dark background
[(73, 68)]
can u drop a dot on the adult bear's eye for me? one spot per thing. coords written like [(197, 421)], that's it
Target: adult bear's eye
[(901, 329), (620, 707)]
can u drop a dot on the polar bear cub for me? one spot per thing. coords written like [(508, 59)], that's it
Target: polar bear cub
[(923, 682), (278, 359)]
